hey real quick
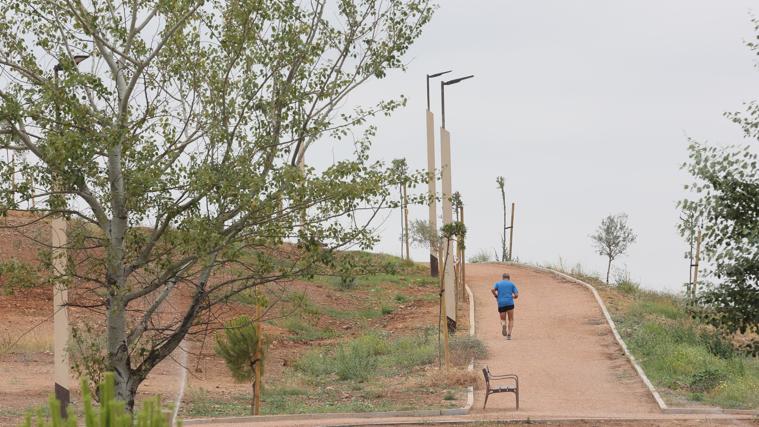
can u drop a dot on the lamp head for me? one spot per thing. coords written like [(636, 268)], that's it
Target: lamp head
[(429, 76), (454, 81)]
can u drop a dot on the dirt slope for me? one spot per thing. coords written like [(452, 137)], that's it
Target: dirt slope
[(562, 349)]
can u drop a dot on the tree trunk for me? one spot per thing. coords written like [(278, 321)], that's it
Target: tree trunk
[(608, 269), (118, 353)]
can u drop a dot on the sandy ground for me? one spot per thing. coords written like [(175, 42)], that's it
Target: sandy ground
[(571, 369), (562, 349)]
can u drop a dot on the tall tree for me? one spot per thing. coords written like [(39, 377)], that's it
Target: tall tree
[(502, 187), (612, 238), (176, 146), (724, 200)]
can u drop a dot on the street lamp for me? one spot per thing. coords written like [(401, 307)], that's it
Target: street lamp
[(443, 84), (431, 178), (58, 242), (449, 286)]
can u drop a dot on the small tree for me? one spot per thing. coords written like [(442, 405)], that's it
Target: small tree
[(612, 238), (241, 350), (502, 186)]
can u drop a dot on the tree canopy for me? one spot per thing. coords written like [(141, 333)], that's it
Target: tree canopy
[(173, 135)]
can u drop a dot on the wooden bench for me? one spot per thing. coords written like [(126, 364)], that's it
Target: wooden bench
[(491, 389)]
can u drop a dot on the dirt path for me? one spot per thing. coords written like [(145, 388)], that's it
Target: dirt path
[(562, 349)]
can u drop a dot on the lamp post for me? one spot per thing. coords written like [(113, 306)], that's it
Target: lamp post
[(431, 178), (445, 166), (58, 242)]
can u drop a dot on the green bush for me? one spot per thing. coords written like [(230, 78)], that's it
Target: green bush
[(411, 351), (706, 379), (305, 331), (15, 274), (315, 363), (111, 413), (355, 361), (400, 298)]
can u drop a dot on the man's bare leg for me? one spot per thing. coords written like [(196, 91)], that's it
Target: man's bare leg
[(503, 323), (511, 321)]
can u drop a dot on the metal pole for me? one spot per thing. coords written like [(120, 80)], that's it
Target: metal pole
[(695, 265), (511, 233)]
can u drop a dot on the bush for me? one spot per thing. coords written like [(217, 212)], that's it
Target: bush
[(465, 348), (355, 361), (111, 413), (481, 256), (15, 274), (706, 379)]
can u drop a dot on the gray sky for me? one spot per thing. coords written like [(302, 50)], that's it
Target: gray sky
[(585, 107)]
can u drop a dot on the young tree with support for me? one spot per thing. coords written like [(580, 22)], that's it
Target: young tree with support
[(241, 347), (612, 238), (177, 148), (501, 182)]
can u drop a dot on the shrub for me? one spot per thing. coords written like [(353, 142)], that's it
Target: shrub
[(314, 363), (481, 256), (386, 309), (15, 274), (111, 413), (706, 379), (305, 331), (464, 348), (400, 298), (355, 361)]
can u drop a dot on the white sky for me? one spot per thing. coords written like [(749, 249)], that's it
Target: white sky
[(585, 107)]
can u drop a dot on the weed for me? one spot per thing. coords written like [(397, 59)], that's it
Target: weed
[(355, 361), (304, 331), (706, 380), (464, 348), (400, 298), (386, 309)]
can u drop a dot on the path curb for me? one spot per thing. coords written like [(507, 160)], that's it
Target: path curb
[(464, 410), (659, 401)]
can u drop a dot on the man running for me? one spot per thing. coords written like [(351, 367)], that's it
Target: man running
[(506, 292)]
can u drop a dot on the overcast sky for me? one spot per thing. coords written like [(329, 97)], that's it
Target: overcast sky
[(585, 107)]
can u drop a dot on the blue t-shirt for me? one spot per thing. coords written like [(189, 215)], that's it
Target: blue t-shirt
[(505, 290)]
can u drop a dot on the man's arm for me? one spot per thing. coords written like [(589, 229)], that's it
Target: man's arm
[(515, 293), (494, 292)]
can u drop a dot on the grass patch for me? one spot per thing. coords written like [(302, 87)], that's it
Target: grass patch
[(464, 348), (34, 342), (303, 331)]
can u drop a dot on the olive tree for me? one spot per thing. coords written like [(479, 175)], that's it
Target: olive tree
[(612, 238), (172, 134)]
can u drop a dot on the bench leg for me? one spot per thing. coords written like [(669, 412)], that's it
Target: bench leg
[(486, 400), (517, 393)]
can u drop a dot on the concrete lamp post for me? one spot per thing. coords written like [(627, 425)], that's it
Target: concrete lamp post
[(431, 178), (445, 167), (58, 243)]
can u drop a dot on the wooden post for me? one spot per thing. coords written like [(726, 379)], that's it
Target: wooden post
[(257, 356), (695, 264), (443, 316), (403, 229), (462, 257), (511, 233), (405, 222)]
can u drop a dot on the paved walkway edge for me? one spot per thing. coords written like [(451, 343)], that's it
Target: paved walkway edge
[(659, 401), (387, 414)]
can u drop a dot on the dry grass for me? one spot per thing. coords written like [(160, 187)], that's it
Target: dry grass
[(36, 341)]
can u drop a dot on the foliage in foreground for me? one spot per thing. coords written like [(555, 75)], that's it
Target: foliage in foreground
[(177, 172), (241, 347), (111, 413), (724, 205)]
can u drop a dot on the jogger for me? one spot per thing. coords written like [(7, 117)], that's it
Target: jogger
[(505, 293)]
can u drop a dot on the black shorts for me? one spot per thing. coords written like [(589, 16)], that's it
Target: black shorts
[(504, 308)]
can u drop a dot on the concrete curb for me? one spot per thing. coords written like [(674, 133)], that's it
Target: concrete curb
[(659, 401), (341, 415)]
